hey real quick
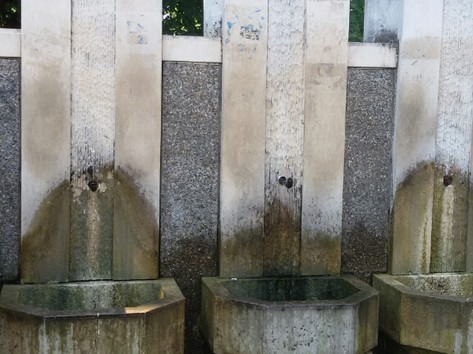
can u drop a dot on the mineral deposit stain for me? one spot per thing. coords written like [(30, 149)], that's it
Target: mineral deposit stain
[(412, 222), (282, 238), (135, 232), (430, 221), (78, 234)]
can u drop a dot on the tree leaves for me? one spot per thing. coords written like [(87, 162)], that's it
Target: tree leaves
[(10, 14), (357, 13), (183, 17)]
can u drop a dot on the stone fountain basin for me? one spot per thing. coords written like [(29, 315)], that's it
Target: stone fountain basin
[(92, 317), (429, 312), (289, 315)]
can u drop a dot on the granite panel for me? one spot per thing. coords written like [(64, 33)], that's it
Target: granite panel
[(190, 182), (9, 168), (367, 190)]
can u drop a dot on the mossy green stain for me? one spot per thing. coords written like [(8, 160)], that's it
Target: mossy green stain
[(412, 222), (135, 231), (321, 254), (421, 214), (292, 289), (92, 226), (49, 253), (241, 253), (282, 237), (44, 251), (449, 222)]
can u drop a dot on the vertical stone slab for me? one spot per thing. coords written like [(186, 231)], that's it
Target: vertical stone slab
[(324, 135), (453, 143), (45, 133), (93, 132), (243, 138), (414, 135), (284, 136), (138, 138), (213, 13), (382, 20), (9, 168)]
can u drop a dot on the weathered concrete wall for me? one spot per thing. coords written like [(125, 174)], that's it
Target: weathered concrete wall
[(190, 182), (368, 170), (9, 167)]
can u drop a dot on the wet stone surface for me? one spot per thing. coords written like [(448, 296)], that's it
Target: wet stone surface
[(9, 167), (291, 289), (90, 296), (189, 182), (367, 176)]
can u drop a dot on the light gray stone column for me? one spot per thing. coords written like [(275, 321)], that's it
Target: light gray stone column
[(245, 43), (324, 135), (453, 141), (46, 139), (415, 130)]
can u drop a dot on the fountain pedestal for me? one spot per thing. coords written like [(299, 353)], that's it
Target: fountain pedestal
[(97, 317), (289, 315), (427, 313)]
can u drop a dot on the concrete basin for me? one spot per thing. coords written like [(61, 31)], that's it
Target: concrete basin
[(92, 317), (289, 315), (431, 313)]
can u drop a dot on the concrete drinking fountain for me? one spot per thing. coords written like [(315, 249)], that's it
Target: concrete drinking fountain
[(285, 315), (141, 316), (93, 300), (427, 313), (90, 162), (282, 157), (426, 298)]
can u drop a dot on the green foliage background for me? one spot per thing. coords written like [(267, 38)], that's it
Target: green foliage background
[(182, 17), (357, 13), (10, 14)]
